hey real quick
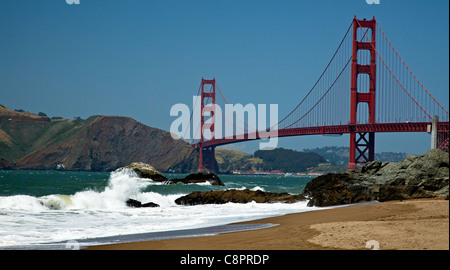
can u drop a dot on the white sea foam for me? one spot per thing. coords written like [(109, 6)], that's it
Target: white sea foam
[(252, 189), (257, 188), (27, 220), (21, 202)]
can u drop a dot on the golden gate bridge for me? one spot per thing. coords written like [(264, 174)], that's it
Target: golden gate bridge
[(366, 88)]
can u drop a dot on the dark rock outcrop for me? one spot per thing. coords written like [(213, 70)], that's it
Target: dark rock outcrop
[(424, 176), (236, 196), (199, 177), (138, 204), (144, 170), (6, 165)]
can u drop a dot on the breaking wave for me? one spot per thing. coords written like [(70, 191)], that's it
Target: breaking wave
[(122, 186), (102, 212)]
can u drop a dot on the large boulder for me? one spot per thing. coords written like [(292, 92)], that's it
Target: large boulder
[(336, 189), (199, 177), (144, 170), (424, 176), (236, 196)]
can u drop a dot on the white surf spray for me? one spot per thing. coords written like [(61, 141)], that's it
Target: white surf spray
[(28, 220)]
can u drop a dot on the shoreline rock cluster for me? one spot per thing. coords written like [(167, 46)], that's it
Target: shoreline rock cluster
[(425, 176), (208, 197), (144, 170), (236, 196)]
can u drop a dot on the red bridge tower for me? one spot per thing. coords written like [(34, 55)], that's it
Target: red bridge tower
[(207, 158), (362, 145)]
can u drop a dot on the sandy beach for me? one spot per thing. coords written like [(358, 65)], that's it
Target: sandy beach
[(421, 224)]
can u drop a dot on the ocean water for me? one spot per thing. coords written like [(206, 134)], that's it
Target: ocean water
[(54, 209)]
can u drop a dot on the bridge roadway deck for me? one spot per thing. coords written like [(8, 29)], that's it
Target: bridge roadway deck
[(339, 129)]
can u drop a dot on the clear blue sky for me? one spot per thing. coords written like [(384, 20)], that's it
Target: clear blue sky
[(137, 58)]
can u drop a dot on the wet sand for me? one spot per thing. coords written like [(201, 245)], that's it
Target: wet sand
[(421, 224)]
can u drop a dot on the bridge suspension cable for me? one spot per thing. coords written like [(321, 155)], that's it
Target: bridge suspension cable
[(327, 102), (392, 60)]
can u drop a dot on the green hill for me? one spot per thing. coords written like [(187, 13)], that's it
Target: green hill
[(340, 155), (288, 160), (231, 160), (267, 160)]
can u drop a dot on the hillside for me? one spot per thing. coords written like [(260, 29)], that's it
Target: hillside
[(267, 160), (231, 160), (288, 160), (325, 159), (340, 155), (99, 143)]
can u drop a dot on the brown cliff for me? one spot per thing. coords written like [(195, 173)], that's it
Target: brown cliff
[(99, 143)]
